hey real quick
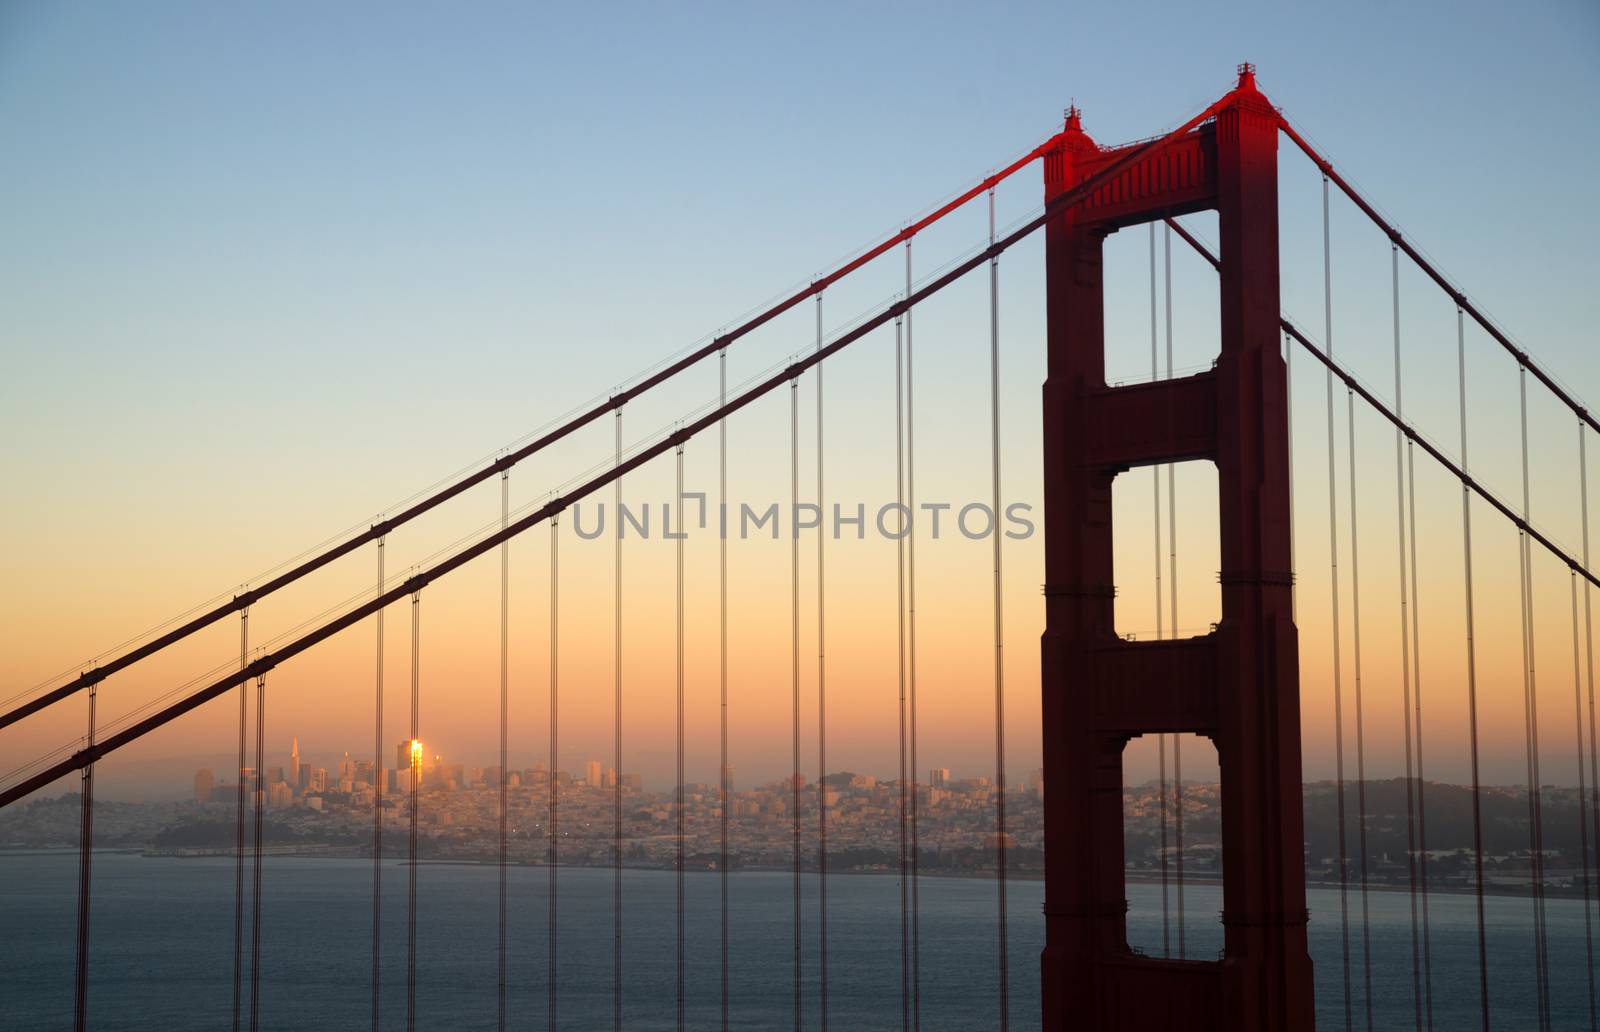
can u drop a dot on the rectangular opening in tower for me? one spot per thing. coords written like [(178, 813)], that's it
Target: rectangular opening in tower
[(1147, 565), (1162, 310), (1173, 866)]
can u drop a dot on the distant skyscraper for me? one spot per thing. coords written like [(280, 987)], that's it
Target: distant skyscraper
[(591, 773), (727, 774), (294, 762), (204, 782), (939, 777)]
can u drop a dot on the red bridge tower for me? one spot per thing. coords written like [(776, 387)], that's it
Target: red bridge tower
[(1238, 685)]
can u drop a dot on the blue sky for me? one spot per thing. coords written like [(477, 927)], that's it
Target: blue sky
[(334, 203)]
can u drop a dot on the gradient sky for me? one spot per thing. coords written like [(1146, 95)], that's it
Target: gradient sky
[(268, 270)]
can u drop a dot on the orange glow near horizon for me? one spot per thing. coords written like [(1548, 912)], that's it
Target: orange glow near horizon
[(325, 695)]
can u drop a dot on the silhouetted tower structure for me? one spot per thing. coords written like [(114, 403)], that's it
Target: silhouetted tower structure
[(1239, 685)]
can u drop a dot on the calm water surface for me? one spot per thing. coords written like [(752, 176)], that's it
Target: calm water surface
[(163, 949)]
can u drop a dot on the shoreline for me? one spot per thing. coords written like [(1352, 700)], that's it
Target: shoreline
[(1132, 877)]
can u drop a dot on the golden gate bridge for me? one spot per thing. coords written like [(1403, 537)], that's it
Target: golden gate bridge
[(1236, 684)]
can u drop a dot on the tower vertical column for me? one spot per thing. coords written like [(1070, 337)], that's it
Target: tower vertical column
[(1267, 966), (1084, 907)]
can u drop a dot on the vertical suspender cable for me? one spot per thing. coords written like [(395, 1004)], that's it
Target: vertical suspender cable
[(505, 713), (822, 723), (1333, 553), (900, 496), (1405, 644), (1409, 520), (1588, 645), (416, 796), (1288, 411), (1166, 935), (552, 783), (1472, 680), (1422, 781), (915, 844), (1172, 592), (238, 846), (1161, 739), (616, 747), (1583, 820), (1155, 471), (794, 670), (255, 893), (1531, 726), (80, 1005), (726, 794), (378, 779), (1361, 750), (999, 636), (680, 796)]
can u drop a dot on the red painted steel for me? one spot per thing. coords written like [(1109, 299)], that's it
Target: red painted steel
[(1238, 685)]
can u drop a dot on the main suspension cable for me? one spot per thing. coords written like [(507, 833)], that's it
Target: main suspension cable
[(1333, 565), (613, 402), (1456, 296), (1405, 647), (378, 779), (467, 553)]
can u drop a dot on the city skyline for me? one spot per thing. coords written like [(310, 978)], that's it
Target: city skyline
[(597, 774)]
